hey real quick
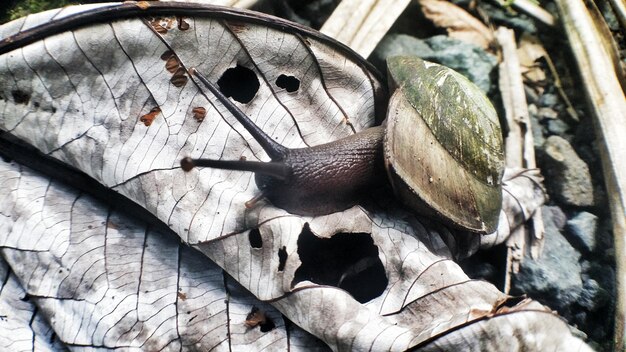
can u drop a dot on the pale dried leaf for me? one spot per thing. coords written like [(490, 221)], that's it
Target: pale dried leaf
[(131, 79), (529, 51), (22, 326), (523, 195), (458, 23), (108, 280)]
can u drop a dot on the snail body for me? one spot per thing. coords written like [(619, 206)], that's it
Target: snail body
[(438, 163)]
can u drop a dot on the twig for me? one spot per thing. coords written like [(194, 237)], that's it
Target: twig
[(361, 24), (519, 145), (608, 106), (559, 87), (532, 10)]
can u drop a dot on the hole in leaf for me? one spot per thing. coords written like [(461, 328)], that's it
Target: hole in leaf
[(256, 241), (288, 83), (20, 97), (347, 260), (282, 258), (240, 83), (182, 24), (268, 325)]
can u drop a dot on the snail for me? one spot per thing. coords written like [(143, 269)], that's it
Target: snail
[(440, 148)]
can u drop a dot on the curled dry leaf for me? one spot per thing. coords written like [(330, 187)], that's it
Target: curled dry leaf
[(458, 23), (71, 89), (529, 51)]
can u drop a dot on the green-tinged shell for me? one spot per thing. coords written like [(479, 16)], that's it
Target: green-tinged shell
[(443, 145)]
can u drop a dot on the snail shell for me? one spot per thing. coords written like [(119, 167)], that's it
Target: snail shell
[(443, 145)]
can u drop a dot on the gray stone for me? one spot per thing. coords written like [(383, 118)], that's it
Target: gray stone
[(557, 126), (603, 273), (583, 229), (592, 296), (547, 113), (566, 174), (468, 59), (558, 217), (536, 127), (555, 278), (548, 100)]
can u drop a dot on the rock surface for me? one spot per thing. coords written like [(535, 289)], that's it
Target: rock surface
[(583, 228), (469, 60), (554, 278), (566, 174)]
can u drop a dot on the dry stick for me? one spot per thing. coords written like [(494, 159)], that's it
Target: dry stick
[(535, 11), (519, 145), (608, 106), (513, 144), (361, 24), (559, 87)]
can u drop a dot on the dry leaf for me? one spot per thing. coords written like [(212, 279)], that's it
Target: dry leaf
[(529, 51), (458, 22)]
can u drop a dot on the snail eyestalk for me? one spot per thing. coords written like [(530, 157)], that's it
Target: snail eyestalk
[(279, 171), (271, 147)]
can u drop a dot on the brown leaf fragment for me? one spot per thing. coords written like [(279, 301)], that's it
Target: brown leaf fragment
[(158, 27), (255, 318), (529, 52), (179, 79), (149, 117), (199, 113), (182, 24), (168, 22), (166, 55), (181, 295), (458, 23), (144, 5), (172, 64), (163, 24), (479, 313)]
